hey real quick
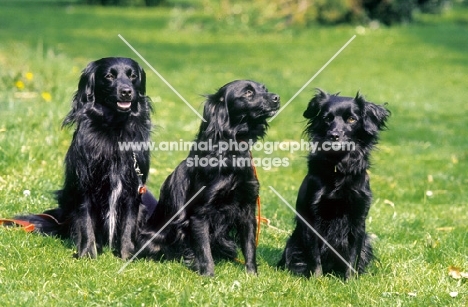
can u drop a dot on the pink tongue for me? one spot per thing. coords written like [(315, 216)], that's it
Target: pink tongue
[(124, 105)]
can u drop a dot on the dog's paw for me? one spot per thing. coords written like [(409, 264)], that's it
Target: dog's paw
[(206, 270), (126, 253), (298, 268), (318, 271), (350, 274), (207, 273), (251, 268), (87, 252)]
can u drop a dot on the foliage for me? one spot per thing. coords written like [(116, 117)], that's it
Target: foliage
[(304, 12), (284, 13), (125, 2)]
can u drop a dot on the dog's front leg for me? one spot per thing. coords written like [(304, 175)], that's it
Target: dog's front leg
[(311, 243), (308, 200), (83, 228), (128, 229), (356, 241), (247, 239), (200, 237)]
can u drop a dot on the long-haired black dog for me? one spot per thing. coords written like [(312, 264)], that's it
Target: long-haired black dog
[(100, 202), (335, 196), (219, 168)]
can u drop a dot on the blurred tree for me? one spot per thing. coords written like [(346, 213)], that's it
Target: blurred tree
[(284, 13), (124, 2), (390, 11)]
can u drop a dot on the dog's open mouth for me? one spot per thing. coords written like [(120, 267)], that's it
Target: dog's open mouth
[(124, 105)]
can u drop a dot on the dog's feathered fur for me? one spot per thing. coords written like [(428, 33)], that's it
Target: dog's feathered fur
[(335, 195), (100, 203), (225, 208)]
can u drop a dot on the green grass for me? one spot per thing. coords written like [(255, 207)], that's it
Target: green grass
[(419, 69)]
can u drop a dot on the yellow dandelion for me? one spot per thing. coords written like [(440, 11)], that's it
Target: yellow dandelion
[(29, 76), (19, 84), (46, 96), (454, 159)]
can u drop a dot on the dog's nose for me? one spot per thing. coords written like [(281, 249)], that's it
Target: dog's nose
[(334, 135), (126, 92), (276, 98)]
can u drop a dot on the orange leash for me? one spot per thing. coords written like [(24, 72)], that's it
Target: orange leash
[(28, 227), (259, 206)]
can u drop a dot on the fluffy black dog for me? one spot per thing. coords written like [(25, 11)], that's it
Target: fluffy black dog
[(219, 169), (101, 199), (335, 196)]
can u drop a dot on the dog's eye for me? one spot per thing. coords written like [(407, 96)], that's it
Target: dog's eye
[(351, 120), (109, 76), (133, 76), (328, 118)]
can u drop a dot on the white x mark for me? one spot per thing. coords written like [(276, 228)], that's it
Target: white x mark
[(313, 230), (313, 77), (160, 230), (161, 77)]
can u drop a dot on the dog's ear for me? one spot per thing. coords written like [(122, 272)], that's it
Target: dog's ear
[(83, 96), (142, 81), (144, 101), (374, 116), (315, 104), (216, 114)]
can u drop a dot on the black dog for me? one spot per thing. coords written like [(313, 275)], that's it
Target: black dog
[(219, 169), (335, 195), (100, 202)]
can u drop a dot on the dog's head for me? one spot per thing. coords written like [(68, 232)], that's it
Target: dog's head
[(239, 110), (111, 87), (338, 120)]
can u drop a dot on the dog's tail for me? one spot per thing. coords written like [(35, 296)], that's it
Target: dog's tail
[(52, 222)]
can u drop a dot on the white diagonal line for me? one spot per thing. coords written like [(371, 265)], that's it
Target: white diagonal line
[(162, 228), (313, 77), (314, 231), (161, 77)]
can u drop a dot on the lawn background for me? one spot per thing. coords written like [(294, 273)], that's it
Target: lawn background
[(419, 69)]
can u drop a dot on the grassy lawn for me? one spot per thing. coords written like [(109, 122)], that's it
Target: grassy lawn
[(419, 214)]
